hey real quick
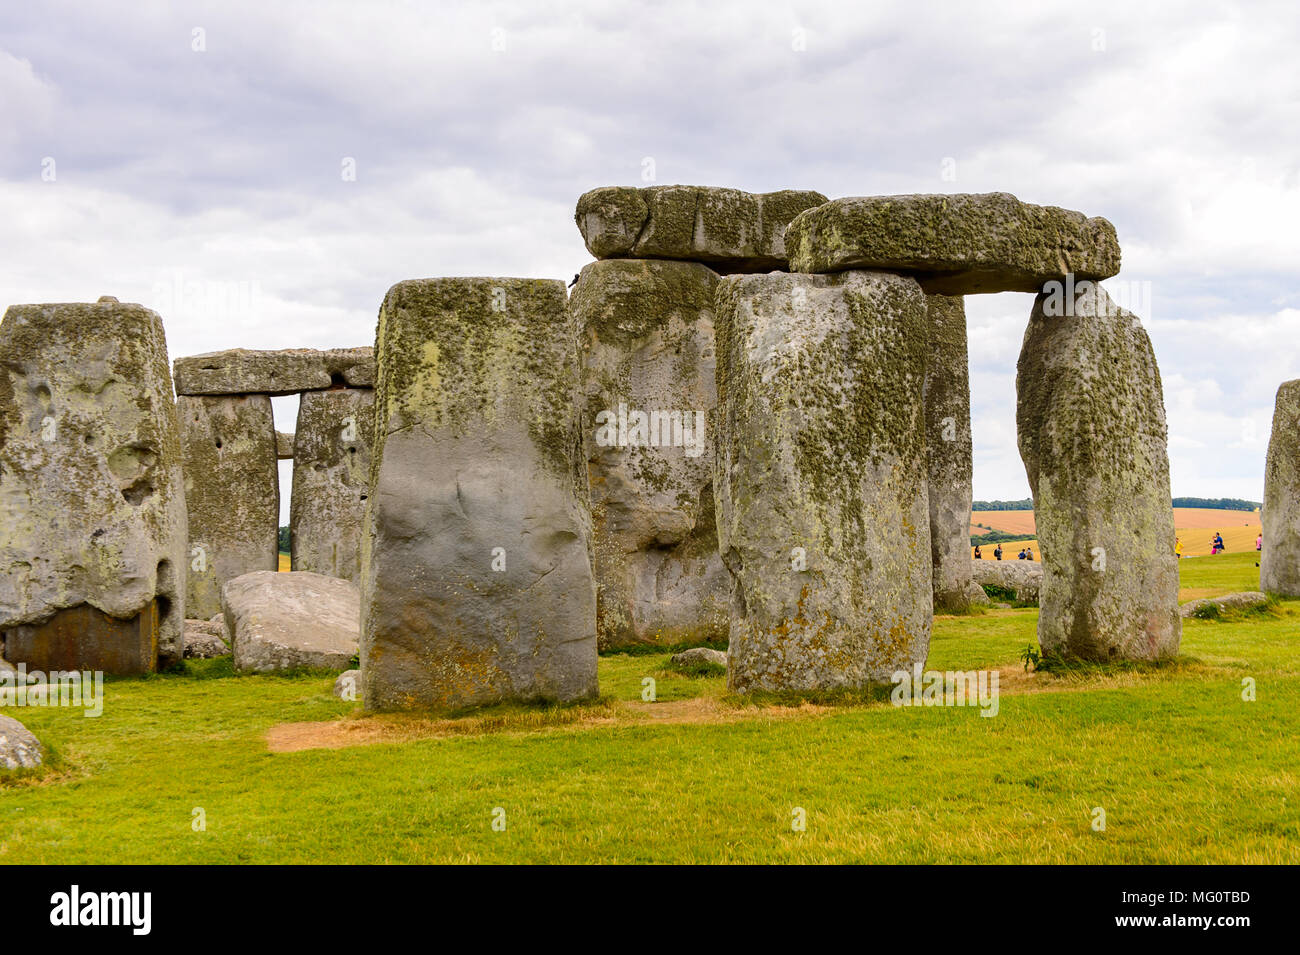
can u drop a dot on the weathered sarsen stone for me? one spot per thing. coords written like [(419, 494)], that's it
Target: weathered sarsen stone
[(820, 477), (240, 371), (954, 244), (948, 452), (92, 507), (232, 487), (276, 621), (1092, 434), (646, 336), (1279, 562), (331, 479), (731, 230), (477, 585)]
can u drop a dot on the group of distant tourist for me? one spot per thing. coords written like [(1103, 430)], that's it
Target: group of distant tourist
[(1216, 545), (1027, 553)]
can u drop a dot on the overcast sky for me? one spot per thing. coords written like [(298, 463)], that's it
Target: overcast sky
[(193, 157)]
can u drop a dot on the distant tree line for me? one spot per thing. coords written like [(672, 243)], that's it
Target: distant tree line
[(1026, 505), (1217, 503), (998, 537), (1213, 503)]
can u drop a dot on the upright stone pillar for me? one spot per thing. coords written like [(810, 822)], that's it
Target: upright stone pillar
[(232, 487), (477, 583), (823, 515), (646, 335), (948, 449), (1279, 563), (92, 509), (1091, 423), (331, 478)]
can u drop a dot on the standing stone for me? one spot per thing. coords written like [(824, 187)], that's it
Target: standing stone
[(1279, 562), (1091, 423), (948, 450), (646, 334), (820, 476), (232, 486), (477, 583), (92, 507), (331, 478)]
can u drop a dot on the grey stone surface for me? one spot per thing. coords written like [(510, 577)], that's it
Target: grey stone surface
[(1246, 600), (821, 464), (241, 371), (646, 334), (948, 452), (732, 230), (92, 507), (955, 244), (478, 462), (331, 479), (278, 621), (232, 487), (1091, 423), (19, 748), (978, 598), (205, 639), (1279, 561), (348, 685), (700, 655), (1024, 578)]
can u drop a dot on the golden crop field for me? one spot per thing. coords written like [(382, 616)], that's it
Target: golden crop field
[(1195, 526)]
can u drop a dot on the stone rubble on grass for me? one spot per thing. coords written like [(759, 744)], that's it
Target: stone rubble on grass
[(1245, 600), (278, 621), (700, 655), (205, 639), (19, 748), (1024, 578), (348, 685)]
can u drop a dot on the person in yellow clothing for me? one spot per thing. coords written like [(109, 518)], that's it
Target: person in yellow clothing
[(1178, 547)]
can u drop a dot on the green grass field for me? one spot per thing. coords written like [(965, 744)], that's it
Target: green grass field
[(1185, 770)]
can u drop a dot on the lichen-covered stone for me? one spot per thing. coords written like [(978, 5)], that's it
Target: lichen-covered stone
[(1091, 422), (241, 371), (1022, 578), (205, 639), (277, 621), (954, 244), (731, 230), (476, 579), (331, 479), (92, 506), (19, 748), (646, 335), (820, 478), (948, 452), (232, 487), (283, 446), (1279, 561)]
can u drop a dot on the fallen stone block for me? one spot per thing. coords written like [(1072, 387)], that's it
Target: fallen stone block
[(241, 371), (232, 486), (731, 230), (477, 583), (279, 621), (697, 655), (92, 506), (955, 244), (331, 480), (348, 685), (205, 639), (1021, 578), (19, 748), (820, 478), (1247, 600)]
